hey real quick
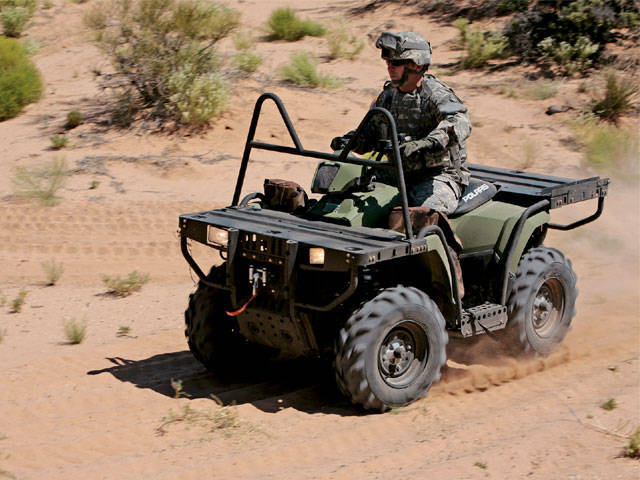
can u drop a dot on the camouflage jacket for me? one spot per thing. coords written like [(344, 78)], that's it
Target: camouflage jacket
[(432, 111)]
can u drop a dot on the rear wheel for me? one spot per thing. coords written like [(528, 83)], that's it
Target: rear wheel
[(213, 336), (391, 350), (542, 301)]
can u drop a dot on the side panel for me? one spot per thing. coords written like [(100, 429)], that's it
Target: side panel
[(483, 229)]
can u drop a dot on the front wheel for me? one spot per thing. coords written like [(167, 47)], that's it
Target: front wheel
[(542, 301), (391, 350)]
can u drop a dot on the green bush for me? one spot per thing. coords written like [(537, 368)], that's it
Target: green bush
[(247, 61), (195, 98), (342, 42), (303, 70), (620, 96), (283, 24), (571, 59), (14, 20), (58, 141), (480, 46), (505, 7), (74, 119), (30, 5), (164, 52), (599, 21), (20, 82)]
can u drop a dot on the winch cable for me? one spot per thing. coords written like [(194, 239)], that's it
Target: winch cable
[(241, 309)]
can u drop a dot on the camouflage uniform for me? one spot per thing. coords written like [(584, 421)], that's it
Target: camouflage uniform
[(431, 114)]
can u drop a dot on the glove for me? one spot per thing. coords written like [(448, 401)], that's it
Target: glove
[(426, 145)]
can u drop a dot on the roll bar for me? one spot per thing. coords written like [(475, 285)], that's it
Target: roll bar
[(344, 156)]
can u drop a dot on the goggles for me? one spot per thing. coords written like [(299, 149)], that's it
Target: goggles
[(395, 63)]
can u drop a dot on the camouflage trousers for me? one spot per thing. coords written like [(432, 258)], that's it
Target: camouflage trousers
[(440, 193)]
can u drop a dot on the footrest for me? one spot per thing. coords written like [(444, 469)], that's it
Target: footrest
[(483, 318)]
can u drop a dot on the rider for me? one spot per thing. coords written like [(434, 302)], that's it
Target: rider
[(430, 118)]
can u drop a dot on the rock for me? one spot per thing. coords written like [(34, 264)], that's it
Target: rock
[(552, 109)]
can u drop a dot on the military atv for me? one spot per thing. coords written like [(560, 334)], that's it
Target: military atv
[(328, 277)]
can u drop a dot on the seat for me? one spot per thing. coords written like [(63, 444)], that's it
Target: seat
[(477, 193)]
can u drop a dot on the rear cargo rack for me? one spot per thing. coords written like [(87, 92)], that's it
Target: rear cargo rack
[(527, 188)]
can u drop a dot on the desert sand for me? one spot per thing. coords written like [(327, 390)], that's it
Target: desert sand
[(102, 409)]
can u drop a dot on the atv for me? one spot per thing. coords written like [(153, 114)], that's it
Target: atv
[(327, 277)]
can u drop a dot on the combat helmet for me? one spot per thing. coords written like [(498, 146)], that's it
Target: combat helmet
[(405, 46)]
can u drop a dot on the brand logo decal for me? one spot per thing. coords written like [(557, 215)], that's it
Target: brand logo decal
[(470, 196)]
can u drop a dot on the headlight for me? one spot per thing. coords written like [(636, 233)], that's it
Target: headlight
[(316, 256), (217, 236)]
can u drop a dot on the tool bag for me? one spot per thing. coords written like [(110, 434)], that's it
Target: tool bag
[(284, 195)]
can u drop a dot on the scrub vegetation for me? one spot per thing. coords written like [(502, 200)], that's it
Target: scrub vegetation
[(284, 24), (165, 57), (302, 70), (41, 182), (20, 82)]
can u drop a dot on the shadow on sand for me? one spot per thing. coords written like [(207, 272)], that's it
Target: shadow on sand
[(304, 384)]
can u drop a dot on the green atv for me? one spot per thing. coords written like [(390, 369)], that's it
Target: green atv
[(328, 277)]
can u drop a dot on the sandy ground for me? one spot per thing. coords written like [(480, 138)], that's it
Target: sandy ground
[(103, 408)]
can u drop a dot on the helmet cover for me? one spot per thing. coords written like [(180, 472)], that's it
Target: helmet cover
[(405, 46)]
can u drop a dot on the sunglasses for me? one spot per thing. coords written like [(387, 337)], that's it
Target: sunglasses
[(396, 63)]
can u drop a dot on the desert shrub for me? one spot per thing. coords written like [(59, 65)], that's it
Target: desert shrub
[(126, 286), (540, 90), (41, 182), (30, 5), (53, 271), (58, 141), (566, 22), (632, 448), (14, 20), (163, 53), (20, 82), (3, 333), (480, 46), (284, 24), (570, 58), (247, 61), (505, 7), (74, 119), (610, 404), (303, 70), (197, 97), (607, 146), (620, 96), (342, 42), (18, 301), (123, 331), (75, 330)]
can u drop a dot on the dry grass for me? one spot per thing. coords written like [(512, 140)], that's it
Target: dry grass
[(122, 287), (18, 302), (42, 182), (303, 70), (75, 330), (53, 271), (343, 43), (632, 448)]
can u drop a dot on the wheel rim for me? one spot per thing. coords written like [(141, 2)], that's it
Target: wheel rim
[(403, 354), (548, 306)]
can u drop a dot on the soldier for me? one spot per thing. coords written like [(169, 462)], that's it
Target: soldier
[(430, 118)]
